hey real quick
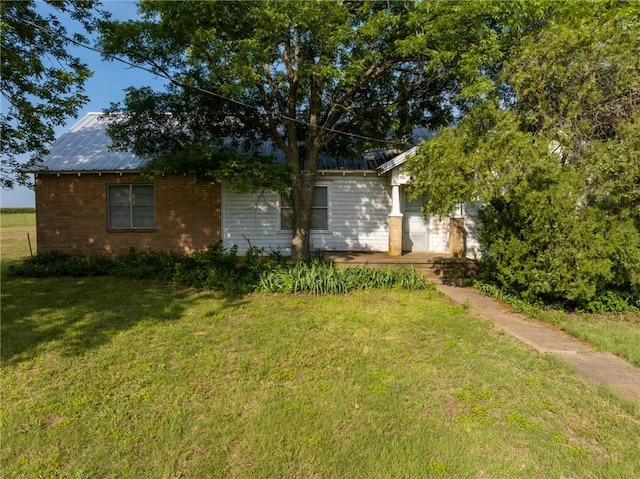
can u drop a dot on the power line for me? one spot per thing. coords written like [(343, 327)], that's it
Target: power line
[(184, 85)]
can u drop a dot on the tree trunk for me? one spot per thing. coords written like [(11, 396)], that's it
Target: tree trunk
[(302, 198), (305, 179)]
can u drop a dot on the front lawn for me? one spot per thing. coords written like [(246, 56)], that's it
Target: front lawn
[(119, 378), (618, 334)]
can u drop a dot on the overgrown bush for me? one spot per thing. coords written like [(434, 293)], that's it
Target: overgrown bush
[(221, 269), (137, 265), (614, 302), (548, 241), (58, 264)]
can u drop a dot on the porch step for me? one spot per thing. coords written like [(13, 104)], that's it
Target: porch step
[(434, 266)]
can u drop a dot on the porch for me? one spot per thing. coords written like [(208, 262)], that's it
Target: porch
[(437, 267)]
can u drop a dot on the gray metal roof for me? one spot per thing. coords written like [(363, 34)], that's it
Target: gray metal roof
[(85, 148)]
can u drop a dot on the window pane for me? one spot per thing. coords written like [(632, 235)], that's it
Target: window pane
[(119, 195), (131, 206), (319, 212), (320, 196), (319, 219), (119, 217), (285, 202), (143, 195), (143, 217), (286, 218)]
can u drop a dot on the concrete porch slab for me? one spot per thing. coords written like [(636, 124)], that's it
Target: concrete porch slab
[(373, 257)]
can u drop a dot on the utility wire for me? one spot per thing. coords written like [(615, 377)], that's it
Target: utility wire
[(182, 84)]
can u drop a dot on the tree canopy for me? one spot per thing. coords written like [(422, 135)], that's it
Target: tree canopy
[(41, 81), (551, 148), (313, 77)]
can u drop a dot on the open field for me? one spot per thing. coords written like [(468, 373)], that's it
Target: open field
[(13, 235), (104, 377)]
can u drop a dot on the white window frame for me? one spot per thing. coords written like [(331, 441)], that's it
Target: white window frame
[(131, 206), (327, 208)]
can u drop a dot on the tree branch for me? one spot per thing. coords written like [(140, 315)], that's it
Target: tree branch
[(274, 88), (342, 104)]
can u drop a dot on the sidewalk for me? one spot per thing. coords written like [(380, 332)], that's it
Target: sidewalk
[(600, 368)]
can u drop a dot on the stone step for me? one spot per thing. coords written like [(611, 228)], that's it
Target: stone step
[(437, 268)]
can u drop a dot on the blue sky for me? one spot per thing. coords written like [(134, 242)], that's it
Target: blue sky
[(105, 86)]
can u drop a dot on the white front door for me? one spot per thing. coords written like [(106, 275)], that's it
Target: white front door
[(415, 230)]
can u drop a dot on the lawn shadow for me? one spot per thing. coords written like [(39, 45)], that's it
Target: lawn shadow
[(71, 316)]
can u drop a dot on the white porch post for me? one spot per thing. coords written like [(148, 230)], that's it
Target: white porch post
[(395, 201), (395, 221)]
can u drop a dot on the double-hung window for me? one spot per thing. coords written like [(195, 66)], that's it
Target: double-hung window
[(319, 210), (131, 206)]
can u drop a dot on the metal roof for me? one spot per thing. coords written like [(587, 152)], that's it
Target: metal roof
[(85, 148)]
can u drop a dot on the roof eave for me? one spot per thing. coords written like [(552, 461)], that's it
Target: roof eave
[(339, 172), (79, 172), (397, 161)]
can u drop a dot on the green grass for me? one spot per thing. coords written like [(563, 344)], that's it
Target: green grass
[(103, 377), (616, 334), (14, 243), (108, 378), (17, 219)]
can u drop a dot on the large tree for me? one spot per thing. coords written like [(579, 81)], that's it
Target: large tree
[(552, 150), (314, 77), (41, 81)]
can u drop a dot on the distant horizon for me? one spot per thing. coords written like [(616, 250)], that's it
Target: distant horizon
[(26, 198)]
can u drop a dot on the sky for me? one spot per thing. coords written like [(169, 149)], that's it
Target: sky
[(105, 86)]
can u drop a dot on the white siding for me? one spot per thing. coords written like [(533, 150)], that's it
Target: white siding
[(358, 217), (253, 217)]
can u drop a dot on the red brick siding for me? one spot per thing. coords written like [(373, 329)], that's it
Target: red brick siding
[(71, 215)]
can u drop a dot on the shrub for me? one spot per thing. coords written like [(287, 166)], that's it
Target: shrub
[(58, 264), (136, 265), (609, 302), (218, 268), (222, 269), (547, 241), (612, 302)]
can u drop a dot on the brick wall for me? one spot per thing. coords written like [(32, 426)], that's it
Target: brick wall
[(71, 215)]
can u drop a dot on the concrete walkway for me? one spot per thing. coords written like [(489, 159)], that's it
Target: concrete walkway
[(600, 368)]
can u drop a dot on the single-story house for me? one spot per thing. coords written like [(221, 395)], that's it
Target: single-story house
[(91, 200)]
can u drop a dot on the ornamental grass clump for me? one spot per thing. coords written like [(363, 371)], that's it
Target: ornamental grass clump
[(318, 278)]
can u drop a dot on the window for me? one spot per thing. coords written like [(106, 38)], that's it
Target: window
[(131, 206), (319, 210)]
